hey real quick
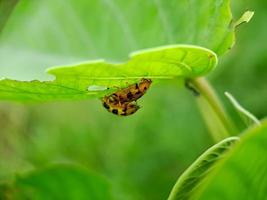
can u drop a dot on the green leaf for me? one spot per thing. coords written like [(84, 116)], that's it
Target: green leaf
[(52, 32), (247, 117), (245, 18), (196, 173), (6, 7), (97, 78), (242, 174), (60, 182)]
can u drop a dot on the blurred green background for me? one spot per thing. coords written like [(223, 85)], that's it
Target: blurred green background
[(141, 155)]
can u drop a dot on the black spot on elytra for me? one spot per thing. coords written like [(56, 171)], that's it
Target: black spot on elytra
[(145, 88), (136, 86), (131, 105), (129, 95), (132, 112), (138, 92), (106, 105), (115, 111)]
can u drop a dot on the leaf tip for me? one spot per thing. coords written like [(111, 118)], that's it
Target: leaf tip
[(245, 18)]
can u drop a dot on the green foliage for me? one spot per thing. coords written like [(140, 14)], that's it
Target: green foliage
[(194, 176), (59, 182), (243, 71), (245, 18), (247, 117), (217, 120), (242, 173), (75, 81), (47, 33), (143, 154)]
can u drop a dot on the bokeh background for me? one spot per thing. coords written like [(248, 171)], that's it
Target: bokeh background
[(141, 155)]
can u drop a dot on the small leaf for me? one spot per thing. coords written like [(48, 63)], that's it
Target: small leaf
[(78, 81), (242, 174), (66, 182), (196, 173), (245, 18), (248, 118)]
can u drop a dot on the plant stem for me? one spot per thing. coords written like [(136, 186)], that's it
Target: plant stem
[(217, 120)]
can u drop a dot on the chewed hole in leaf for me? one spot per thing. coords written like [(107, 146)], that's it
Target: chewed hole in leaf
[(93, 79), (97, 88)]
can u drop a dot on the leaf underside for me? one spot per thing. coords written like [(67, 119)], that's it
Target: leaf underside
[(80, 81), (32, 40), (242, 174), (57, 32), (247, 117), (193, 177)]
